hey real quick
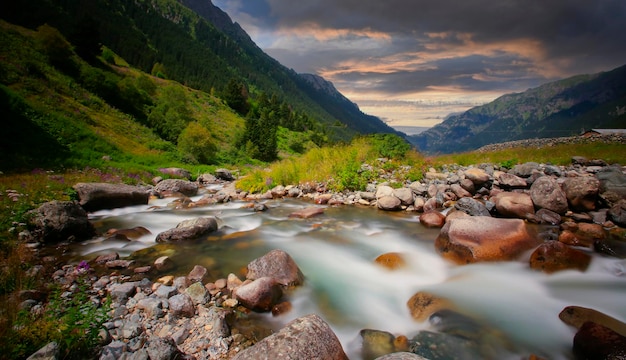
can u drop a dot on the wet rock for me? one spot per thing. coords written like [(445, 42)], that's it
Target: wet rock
[(189, 229), (481, 238), (278, 265), (432, 219), (389, 203), (57, 221), (206, 179), (391, 260), (547, 194), (610, 246), (98, 196), (553, 256), (163, 263), (168, 186), (307, 212), (132, 233), (548, 217), (197, 274), (102, 259), (441, 346), (401, 356), (308, 337), (577, 316), (472, 207), (260, 295), (594, 341), (176, 172), (514, 205), (582, 192), (281, 308), (376, 343), (163, 349), (423, 304)]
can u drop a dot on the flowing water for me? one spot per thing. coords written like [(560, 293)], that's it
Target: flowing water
[(336, 251)]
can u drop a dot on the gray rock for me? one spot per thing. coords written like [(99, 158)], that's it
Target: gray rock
[(56, 221), (278, 265), (97, 196), (184, 187), (260, 295), (617, 213), (582, 192), (176, 172), (612, 179), (389, 203), (224, 174), (163, 349), (207, 179), (308, 337), (121, 292), (198, 273), (198, 293), (189, 229), (405, 195), (524, 170), (48, 352), (471, 207), (165, 292), (511, 181), (547, 194), (152, 307)]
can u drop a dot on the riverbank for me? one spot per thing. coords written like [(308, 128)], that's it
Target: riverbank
[(581, 204)]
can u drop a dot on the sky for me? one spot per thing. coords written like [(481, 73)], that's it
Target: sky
[(413, 62)]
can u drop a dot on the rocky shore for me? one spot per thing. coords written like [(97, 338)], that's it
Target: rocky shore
[(558, 214)]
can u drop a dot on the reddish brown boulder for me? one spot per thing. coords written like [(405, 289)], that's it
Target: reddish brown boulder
[(595, 341), (278, 265), (483, 238), (432, 219), (511, 181), (515, 205), (260, 295), (423, 304), (307, 212), (553, 256)]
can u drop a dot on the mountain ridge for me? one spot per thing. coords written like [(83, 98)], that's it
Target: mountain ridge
[(559, 108)]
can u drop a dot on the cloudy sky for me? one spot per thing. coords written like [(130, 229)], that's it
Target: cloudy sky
[(412, 62)]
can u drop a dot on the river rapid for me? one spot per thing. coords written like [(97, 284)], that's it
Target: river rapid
[(336, 250)]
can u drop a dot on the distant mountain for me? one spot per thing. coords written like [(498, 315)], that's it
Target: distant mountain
[(341, 107), (560, 108)]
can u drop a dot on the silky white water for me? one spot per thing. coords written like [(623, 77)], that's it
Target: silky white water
[(336, 252)]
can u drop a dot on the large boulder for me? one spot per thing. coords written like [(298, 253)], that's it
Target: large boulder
[(582, 192), (56, 221), (260, 295), (176, 172), (577, 316), (189, 229), (472, 207), (172, 186), (553, 256), (405, 195), (98, 196), (612, 179), (617, 213), (477, 176), (507, 180), (481, 238), (277, 265), (547, 194), (514, 205), (308, 337), (432, 219), (595, 341)]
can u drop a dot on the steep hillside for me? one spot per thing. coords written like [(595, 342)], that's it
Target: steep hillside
[(198, 46), (561, 108)]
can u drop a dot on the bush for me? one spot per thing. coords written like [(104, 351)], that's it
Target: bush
[(390, 145), (196, 141)]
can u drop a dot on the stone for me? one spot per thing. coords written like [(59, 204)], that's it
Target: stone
[(281, 308), (458, 190), (224, 174), (391, 261), (169, 186), (181, 305), (468, 185), (189, 229), (440, 346), (176, 172), (198, 293), (106, 258), (389, 203), (524, 170), (383, 190), (118, 264), (163, 263), (376, 343), (611, 246), (472, 207), (405, 195), (547, 194), (513, 204), (612, 179), (197, 274), (477, 176), (206, 179), (548, 216), (582, 192), (617, 213), (278, 265), (432, 219), (121, 292), (595, 341), (159, 348), (259, 295), (402, 355), (509, 181), (423, 304), (307, 337), (553, 256), (57, 221), (307, 212), (153, 308), (98, 196), (165, 291), (577, 316), (481, 238), (49, 352), (132, 233)]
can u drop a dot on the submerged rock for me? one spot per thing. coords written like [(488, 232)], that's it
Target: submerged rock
[(189, 229), (553, 256)]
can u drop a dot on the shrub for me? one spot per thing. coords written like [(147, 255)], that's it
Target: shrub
[(196, 141)]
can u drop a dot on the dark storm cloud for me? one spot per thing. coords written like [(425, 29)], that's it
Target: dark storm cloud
[(403, 48)]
